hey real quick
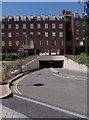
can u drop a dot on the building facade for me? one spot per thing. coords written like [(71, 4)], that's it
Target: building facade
[(62, 34)]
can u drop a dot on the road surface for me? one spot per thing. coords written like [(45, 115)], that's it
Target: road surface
[(61, 94)]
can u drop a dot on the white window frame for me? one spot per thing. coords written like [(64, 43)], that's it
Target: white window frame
[(31, 34), (53, 34), (53, 25), (31, 26), (16, 26), (60, 34), (9, 26), (24, 26), (61, 26), (38, 26), (9, 35), (46, 26), (46, 34)]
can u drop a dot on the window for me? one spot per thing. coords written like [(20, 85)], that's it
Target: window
[(46, 26), (3, 43), (2, 26), (17, 26), (54, 26), (83, 38), (83, 31), (77, 23), (60, 34), (38, 18), (54, 42), (81, 43), (10, 43), (38, 26), (38, 34), (46, 42), (61, 42), (31, 44), (77, 38), (53, 34), (60, 26), (24, 35), (10, 35), (17, 18), (17, 43), (24, 18), (9, 26), (31, 26), (39, 43), (77, 31), (46, 34), (24, 26), (53, 18), (3, 34), (31, 34), (83, 24), (17, 34)]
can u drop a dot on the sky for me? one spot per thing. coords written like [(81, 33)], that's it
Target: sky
[(40, 8)]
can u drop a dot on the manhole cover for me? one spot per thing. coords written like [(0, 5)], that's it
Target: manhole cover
[(38, 84)]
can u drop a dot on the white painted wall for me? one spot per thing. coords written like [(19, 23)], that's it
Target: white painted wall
[(70, 64)]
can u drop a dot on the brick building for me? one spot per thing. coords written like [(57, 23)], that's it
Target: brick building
[(63, 34)]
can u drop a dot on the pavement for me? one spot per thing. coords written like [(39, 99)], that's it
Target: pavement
[(6, 112)]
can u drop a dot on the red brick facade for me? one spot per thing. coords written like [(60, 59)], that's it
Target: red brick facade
[(63, 34)]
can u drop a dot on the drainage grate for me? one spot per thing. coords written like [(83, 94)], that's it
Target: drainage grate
[(38, 84)]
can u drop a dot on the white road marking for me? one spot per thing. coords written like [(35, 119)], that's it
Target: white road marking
[(52, 107), (67, 76), (71, 77)]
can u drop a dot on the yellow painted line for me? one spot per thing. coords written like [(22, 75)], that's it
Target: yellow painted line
[(16, 85), (14, 89)]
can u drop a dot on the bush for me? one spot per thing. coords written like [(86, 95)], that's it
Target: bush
[(81, 59), (9, 56)]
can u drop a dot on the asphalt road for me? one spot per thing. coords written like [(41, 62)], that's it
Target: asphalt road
[(64, 91)]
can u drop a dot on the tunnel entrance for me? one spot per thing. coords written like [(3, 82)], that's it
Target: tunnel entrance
[(51, 63)]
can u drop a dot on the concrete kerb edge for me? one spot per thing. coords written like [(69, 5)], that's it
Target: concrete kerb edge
[(15, 78), (8, 85)]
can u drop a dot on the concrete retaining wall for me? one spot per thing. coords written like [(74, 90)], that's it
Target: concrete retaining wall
[(34, 64), (70, 64)]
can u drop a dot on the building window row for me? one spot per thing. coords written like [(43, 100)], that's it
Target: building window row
[(17, 34), (83, 38), (54, 43), (78, 31), (24, 26), (10, 43), (77, 23)]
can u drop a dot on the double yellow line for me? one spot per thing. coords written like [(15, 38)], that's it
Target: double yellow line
[(15, 87)]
